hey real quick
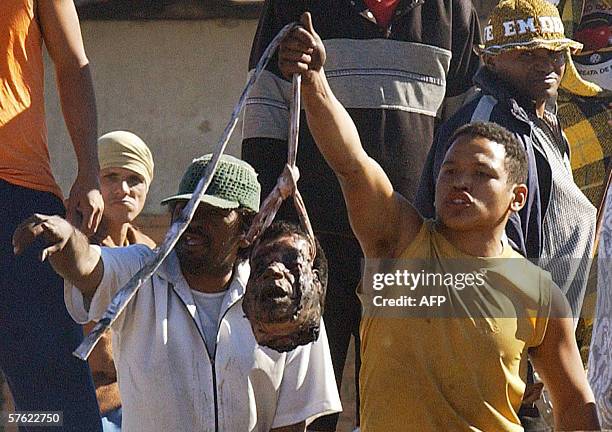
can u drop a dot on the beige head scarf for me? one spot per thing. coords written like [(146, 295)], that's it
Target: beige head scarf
[(121, 149)]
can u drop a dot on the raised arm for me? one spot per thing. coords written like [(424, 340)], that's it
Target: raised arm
[(557, 360), (68, 250), (381, 219), (62, 35)]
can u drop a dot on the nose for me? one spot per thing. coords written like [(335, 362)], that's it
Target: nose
[(275, 271), (125, 188), (462, 181)]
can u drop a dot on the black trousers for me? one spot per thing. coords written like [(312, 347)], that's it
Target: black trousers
[(37, 335)]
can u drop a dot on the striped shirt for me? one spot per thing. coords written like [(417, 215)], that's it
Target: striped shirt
[(568, 230)]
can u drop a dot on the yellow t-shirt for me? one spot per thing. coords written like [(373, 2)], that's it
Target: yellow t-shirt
[(462, 371)]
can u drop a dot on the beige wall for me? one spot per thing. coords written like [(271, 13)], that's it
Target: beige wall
[(174, 83)]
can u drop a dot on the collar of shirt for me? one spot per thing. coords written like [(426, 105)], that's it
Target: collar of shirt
[(400, 7), (383, 10)]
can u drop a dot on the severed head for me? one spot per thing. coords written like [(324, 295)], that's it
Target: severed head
[(285, 293)]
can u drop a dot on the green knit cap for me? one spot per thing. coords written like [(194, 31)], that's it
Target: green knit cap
[(233, 185)]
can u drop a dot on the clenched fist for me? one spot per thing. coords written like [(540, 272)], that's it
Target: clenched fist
[(302, 52)]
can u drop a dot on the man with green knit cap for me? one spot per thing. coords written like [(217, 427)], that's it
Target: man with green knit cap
[(186, 357)]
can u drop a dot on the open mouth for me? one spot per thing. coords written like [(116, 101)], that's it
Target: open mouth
[(272, 300), (460, 200)]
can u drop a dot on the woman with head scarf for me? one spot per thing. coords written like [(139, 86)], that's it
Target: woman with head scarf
[(126, 172)]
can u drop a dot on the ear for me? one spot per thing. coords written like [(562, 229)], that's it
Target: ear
[(317, 277), (519, 197)]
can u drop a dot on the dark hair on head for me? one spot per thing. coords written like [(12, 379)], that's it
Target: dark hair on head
[(285, 228), (516, 157)]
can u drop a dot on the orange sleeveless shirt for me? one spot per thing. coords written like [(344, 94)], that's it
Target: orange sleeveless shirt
[(24, 155)]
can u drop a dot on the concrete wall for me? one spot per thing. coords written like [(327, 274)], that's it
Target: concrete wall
[(173, 83)]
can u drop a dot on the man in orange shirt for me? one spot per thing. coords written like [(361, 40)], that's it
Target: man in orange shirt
[(36, 333)]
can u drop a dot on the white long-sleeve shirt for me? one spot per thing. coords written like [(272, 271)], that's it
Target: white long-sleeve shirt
[(168, 381)]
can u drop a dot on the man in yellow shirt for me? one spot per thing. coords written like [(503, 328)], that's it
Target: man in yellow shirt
[(464, 369)]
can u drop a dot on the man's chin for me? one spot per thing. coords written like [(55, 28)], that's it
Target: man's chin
[(119, 216), (544, 91), (196, 265), (458, 223), (280, 336), (283, 337)]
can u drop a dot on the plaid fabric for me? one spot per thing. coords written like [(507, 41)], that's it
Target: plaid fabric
[(585, 122)]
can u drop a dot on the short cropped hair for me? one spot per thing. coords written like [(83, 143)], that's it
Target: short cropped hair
[(516, 157), (283, 228)]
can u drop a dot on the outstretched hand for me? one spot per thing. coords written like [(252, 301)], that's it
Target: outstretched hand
[(55, 230), (302, 51)]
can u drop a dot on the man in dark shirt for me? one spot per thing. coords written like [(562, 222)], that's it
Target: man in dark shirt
[(524, 60)]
